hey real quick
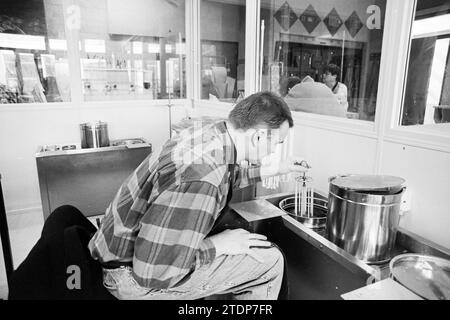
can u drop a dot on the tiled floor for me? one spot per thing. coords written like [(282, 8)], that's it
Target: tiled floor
[(24, 231)]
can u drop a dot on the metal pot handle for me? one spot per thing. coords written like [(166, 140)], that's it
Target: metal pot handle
[(405, 205), (337, 176)]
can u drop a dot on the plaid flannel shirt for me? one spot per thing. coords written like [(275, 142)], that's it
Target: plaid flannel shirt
[(161, 215)]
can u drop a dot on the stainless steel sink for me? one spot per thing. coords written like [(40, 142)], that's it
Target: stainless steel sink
[(317, 268)]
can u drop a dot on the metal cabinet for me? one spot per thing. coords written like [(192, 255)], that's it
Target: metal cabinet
[(88, 179)]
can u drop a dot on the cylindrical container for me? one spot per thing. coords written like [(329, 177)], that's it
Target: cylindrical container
[(94, 135), (363, 215), (317, 221), (319, 214)]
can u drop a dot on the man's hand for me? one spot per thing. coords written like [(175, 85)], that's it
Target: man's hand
[(239, 241), (272, 165)]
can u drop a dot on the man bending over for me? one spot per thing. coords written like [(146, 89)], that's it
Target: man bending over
[(154, 240)]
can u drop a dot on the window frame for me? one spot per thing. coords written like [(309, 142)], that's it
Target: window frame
[(250, 48), (430, 136), (354, 126), (76, 87)]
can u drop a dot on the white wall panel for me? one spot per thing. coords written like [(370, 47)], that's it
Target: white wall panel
[(331, 152), (21, 132), (427, 174)]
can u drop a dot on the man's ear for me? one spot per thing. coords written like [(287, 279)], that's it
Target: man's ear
[(254, 137), (258, 136)]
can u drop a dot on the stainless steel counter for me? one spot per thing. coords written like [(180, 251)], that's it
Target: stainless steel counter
[(317, 268)]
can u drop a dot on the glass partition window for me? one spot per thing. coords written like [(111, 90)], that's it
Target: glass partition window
[(323, 56), (33, 52), (132, 49), (222, 34), (427, 89)]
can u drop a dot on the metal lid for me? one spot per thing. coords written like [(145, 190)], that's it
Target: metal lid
[(97, 124), (367, 183), (426, 276), (131, 141)]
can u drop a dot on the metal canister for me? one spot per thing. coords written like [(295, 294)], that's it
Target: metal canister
[(363, 215), (94, 135)]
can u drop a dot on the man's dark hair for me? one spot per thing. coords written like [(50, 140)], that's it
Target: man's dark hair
[(261, 109), (334, 70)]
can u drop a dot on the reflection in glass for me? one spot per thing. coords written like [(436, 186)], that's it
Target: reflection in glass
[(33, 53), (427, 90), (133, 49), (222, 49), (324, 57)]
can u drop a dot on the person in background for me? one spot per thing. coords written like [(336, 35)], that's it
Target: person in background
[(155, 240), (209, 90), (287, 84), (331, 78)]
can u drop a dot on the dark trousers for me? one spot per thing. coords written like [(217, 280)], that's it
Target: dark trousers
[(59, 266)]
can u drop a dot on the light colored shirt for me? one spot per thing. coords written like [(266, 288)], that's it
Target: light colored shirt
[(341, 92)]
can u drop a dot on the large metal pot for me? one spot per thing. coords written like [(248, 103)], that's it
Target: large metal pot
[(363, 215)]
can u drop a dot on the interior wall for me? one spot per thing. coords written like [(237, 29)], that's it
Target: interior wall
[(22, 131), (427, 175), (331, 152)]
